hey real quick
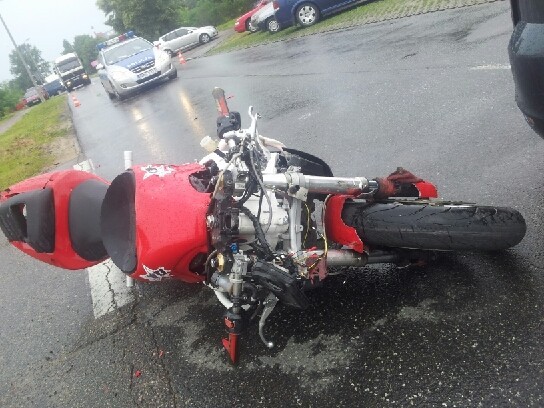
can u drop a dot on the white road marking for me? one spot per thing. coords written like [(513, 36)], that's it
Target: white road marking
[(491, 67), (108, 289), (86, 165), (107, 282)]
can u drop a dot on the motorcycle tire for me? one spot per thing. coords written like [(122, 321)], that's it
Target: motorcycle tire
[(432, 225)]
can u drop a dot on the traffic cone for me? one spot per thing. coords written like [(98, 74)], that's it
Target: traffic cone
[(181, 58), (75, 100)]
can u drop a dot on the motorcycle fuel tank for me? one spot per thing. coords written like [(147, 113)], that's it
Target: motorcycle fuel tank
[(154, 223)]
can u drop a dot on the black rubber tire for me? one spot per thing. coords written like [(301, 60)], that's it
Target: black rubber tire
[(174, 75), (204, 38), (272, 25), (436, 226), (307, 14), (250, 27)]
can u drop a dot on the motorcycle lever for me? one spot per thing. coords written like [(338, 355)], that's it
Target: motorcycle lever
[(269, 305)]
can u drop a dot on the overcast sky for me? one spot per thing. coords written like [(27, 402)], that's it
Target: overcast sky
[(46, 23)]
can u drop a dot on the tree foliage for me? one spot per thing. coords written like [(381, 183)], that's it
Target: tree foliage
[(212, 12), (37, 65), (153, 18), (10, 94), (148, 18), (85, 47)]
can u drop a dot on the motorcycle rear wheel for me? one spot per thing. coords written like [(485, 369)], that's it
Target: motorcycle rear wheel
[(435, 225)]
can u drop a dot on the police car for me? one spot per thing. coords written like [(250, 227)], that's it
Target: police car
[(127, 63)]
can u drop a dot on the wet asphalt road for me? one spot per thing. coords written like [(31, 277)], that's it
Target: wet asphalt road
[(430, 93)]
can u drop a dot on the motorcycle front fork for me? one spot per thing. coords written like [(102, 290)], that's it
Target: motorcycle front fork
[(234, 318)]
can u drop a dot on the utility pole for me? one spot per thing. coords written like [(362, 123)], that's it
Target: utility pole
[(22, 60)]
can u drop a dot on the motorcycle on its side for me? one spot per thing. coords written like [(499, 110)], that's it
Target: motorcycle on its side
[(255, 221)]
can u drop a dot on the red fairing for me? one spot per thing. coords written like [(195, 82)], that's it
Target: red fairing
[(61, 184), (426, 189), (171, 228), (337, 230)]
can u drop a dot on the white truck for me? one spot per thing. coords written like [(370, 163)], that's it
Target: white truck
[(71, 71)]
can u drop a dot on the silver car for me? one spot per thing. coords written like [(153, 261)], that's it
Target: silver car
[(185, 37), (128, 63)]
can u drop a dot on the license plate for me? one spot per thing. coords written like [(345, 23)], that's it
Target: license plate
[(147, 73)]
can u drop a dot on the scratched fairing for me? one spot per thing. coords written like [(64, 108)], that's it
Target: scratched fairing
[(167, 221)]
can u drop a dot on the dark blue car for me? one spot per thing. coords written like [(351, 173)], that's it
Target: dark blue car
[(307, 13), (54, 87)]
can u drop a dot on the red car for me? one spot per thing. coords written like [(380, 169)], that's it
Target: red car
[(243, 23)]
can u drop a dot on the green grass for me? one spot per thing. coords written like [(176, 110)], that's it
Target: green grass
[(371, 11), (23, 147)]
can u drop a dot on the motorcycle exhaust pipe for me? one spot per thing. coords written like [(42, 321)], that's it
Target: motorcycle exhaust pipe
[(347, 257)]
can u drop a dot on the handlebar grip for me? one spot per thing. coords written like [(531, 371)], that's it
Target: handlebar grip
[(221, 101)]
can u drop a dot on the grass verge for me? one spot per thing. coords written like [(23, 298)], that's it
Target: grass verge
[(370, 11), (25, 147)]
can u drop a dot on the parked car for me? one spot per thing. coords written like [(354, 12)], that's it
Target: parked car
[(306, 13), (128, 63), (32, 95), (264, 19), (243, 23), (185, 37), (526, 51)]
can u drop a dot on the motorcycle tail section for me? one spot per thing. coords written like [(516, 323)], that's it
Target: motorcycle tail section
[(54, 218)]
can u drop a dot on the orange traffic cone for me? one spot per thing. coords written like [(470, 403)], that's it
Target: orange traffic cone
[(181, 58), (75, 100)]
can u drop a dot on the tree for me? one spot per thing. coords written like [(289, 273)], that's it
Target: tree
[(37, 65), (85, 48), (148, 18), (67, 47)]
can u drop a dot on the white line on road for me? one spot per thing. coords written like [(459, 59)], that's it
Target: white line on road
[(107, 282), (491, 67), (108, 289)]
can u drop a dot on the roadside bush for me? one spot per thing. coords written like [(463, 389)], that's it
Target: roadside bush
[(213, 12), (9, 97)]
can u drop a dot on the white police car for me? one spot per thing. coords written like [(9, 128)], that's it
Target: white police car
[(127, 63)]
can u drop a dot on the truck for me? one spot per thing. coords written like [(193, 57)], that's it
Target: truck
[(71, 71)]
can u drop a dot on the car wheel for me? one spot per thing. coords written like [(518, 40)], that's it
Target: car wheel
[(307, 14), (173, 75), (204, 38), (250, 27), (272, 25), (116, 94)]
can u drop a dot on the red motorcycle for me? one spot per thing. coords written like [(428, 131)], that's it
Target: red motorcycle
[(255, 221)]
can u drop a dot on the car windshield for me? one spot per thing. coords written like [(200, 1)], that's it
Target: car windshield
[(125, 50), (68, 65)]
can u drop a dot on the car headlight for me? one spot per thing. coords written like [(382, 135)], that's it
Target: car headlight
[(162, 59), (121, 75)]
